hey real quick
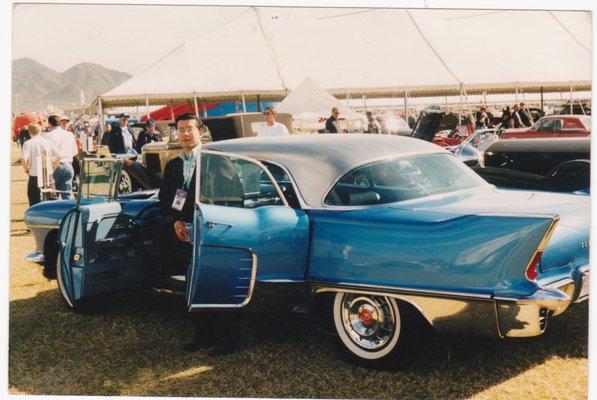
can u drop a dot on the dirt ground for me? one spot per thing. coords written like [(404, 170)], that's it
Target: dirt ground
[(135, 347)]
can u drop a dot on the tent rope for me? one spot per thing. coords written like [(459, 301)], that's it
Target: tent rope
[(431, 47), (270, 47), (570, 33)]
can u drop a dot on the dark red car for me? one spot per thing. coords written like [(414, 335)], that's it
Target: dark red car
[(553, 126)]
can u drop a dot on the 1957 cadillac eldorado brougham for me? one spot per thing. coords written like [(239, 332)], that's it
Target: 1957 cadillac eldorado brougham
[(384, 224)]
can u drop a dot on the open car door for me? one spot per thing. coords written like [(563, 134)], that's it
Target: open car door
[(98, 250), (244, 231)]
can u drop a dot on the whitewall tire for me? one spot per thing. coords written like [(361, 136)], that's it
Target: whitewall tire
[(368, 326)]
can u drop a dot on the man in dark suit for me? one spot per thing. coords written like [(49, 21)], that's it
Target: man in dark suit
[(331, 124), (147, 135), (121, 139), (177, 192), (177, 199)]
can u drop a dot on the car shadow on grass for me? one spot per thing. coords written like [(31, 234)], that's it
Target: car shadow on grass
[(134, 344)]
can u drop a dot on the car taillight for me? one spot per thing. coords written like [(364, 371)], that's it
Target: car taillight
[(531, 271)]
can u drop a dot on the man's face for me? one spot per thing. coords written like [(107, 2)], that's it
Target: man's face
[(151, 129), (188, 134), (336, 114), (269, 116), (515, 108), (64, 123), (123, 121)]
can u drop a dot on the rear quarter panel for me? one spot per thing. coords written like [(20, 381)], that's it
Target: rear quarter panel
[(476, 254)]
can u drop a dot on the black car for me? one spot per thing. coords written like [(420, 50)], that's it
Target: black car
[(554, 164)]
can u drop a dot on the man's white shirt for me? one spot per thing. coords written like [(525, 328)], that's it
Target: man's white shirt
[(37, 152), (65, 142), (127, 138), (277, 129)]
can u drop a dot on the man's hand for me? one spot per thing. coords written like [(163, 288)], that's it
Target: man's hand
[(181, 231)]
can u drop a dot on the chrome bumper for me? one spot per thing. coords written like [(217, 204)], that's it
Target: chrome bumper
[(477, 315), (35, 257)]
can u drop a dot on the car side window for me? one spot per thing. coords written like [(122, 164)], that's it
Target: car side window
[(284, 182), (235, 182), (549, 125)]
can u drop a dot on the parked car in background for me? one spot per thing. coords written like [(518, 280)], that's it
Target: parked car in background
[(553, 126), (442, 128), (556, 164), (471, 150), (384, 225)]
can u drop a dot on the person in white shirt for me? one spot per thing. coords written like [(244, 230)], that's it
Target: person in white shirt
[(38, 154), (67, 147), (271, 127)]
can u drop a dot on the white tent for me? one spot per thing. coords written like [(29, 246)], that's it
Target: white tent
[(310, 101), (373, 52)]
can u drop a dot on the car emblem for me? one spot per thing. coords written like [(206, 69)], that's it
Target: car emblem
[(584, 245)]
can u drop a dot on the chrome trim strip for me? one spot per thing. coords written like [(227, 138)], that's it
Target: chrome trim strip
[(323, 287), (195, 307), (249, 159), (43, 226), (299, 196), (35, 257)]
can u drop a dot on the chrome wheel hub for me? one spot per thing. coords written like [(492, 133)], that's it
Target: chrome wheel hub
[(369, 320)]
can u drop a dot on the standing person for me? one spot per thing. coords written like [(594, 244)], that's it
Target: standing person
[(147, 135), (67, 147), (525, 115), (482, 118), (106, 136), (271, 127), (23, 136), (177, 201), (372, 124), (34, 154), (515, 120), (121, 139), (331, 124)]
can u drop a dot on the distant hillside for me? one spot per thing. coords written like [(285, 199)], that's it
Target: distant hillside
[(35, 86)]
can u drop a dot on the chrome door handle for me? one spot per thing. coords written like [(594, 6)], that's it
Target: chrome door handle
[(212, 224)]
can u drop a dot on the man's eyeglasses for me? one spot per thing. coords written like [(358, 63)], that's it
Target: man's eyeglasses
[(187, 129)]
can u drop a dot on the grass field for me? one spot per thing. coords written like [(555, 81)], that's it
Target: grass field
[(135, 347)]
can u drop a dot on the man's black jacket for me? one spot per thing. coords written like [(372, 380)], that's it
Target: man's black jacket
[(116, 141), (173, 180)]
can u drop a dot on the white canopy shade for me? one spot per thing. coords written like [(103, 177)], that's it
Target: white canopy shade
[(311, 101), (381, 52)]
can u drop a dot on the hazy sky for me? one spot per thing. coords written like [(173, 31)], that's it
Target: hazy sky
[(128, 38), (131, 38)]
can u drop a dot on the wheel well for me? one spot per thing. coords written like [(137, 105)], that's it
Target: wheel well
[(50, 253), (323, 302)]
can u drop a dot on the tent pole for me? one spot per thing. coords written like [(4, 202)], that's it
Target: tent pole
[(244, 103), (571, 98), (171, 111), (195, 104), (516, 96), (365, 101), (485, 98), (204, 107), (259, 107), (147, 106), (542, 100), (461, 105), (405, 105), (100, 111)]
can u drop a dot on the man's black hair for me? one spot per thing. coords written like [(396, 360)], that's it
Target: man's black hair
[(53, 120), (188, 117)]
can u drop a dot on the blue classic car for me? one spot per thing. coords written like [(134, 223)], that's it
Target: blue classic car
[(384, 224)]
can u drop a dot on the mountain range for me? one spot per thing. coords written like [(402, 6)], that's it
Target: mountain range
[(35, 86)]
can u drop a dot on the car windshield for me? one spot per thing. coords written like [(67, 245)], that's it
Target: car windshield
[(402, 179), (478, 136)]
